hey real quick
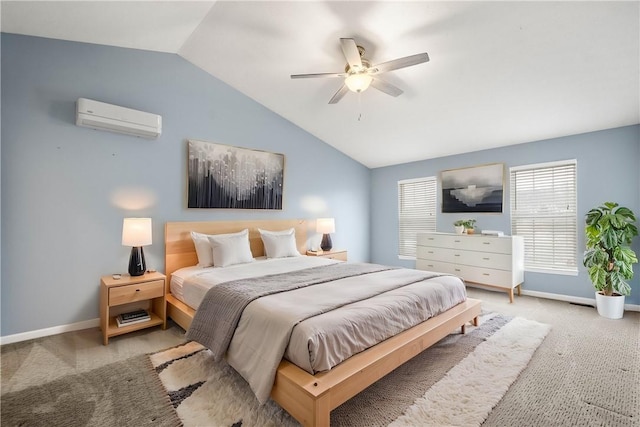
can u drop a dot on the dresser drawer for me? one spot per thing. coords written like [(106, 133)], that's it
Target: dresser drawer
[(436, 266), (440, 240), (136, 292), (436, 254), (485, 259), (488, 244), (501, 278), (466, 242)]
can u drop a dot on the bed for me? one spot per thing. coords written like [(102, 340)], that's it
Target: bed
[(309, 398)]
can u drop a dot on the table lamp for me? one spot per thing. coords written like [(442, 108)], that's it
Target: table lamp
[(136, 232), (326, 226)]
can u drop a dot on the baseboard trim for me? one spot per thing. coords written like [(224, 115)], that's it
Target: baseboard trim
[(577, 300), (86, 324)]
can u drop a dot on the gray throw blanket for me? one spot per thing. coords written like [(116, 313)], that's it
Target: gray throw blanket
[(218, 315)]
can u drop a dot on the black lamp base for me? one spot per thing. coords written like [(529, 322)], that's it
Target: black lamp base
[(326, 244), (137, 266)]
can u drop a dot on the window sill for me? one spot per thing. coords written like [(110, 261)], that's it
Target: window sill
[(551, 271)]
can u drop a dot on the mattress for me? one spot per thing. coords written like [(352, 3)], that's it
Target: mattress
[(190, 284), (177, 282)]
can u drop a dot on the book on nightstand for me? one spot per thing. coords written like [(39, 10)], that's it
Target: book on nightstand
[(133, 317)]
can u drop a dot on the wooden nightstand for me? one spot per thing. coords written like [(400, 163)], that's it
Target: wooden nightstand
[(338, 254), (128, 294)]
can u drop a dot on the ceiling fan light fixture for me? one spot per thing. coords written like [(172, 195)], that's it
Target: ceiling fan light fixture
[(358, 82), (359, 73)]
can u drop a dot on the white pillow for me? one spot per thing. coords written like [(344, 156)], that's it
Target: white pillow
[(230, 249), (203, 249), (279, 244)]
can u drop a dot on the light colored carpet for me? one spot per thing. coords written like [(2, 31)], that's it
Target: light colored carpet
[(456, 382), (586, 373)]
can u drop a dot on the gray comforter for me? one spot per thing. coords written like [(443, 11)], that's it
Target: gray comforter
[(263, 335), (223, 304)]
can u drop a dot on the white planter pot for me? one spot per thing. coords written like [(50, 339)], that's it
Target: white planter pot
[(459, 229), (610, 307)]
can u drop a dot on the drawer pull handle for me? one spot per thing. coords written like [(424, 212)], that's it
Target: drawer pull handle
[(486, 259), (486, 243), (137, 290), (486, 274), (456, 254), (429, 252), (457, 241), (457, 269)]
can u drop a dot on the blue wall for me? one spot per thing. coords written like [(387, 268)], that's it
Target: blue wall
[(608, 170), (66, 189)]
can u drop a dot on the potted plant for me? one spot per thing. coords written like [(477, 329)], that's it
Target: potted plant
[(469, 225), (459, 226), (609, 231)]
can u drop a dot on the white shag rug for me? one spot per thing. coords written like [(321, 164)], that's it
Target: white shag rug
[(206, 393), (470, 390)]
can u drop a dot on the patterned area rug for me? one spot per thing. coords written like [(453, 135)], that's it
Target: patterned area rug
[(456, 382), (125, 393)]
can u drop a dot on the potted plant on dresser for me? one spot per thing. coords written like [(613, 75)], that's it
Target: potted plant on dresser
[(464, 226), (609, 231), (469, 225)]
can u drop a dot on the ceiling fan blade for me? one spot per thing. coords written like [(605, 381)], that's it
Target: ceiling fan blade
[(312, 76), (350, 50), (407, 61), (385, 87), (339, 94)]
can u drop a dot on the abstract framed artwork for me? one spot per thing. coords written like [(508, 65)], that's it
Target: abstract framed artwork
[(223, 176), (473, 189)]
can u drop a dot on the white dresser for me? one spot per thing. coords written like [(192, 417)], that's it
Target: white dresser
[(487, 260)]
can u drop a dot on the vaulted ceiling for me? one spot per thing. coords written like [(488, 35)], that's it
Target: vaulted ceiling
[(500, 73)]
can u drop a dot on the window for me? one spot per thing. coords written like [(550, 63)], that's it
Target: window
[(544, 212), (416, 212)]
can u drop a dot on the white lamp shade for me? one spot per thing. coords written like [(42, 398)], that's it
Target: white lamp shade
[(136, 232), (325, 225), (358, 82)]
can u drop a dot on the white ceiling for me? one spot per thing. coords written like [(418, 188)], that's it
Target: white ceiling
[(500, 73)]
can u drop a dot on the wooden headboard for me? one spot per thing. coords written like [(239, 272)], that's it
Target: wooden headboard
[(180, 251)]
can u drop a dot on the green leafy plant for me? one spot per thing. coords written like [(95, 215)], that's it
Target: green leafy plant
[(609, 231), (459, 223), (469, 224)]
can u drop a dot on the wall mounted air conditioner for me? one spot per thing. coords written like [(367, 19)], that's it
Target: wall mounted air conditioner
[(102, 116)]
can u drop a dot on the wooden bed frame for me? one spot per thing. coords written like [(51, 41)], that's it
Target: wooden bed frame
[(310, 398)]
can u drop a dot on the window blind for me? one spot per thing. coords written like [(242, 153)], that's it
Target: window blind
[(544, 212), (416, 212)]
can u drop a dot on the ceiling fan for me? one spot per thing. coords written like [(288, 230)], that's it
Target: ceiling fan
[(359, 73)]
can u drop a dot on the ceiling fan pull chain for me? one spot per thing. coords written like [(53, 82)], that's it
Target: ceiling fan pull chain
[(359, 106)]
